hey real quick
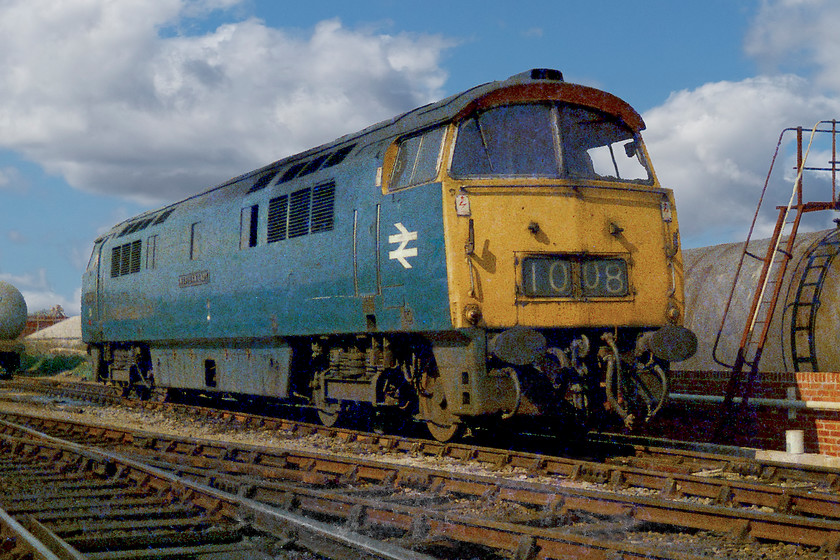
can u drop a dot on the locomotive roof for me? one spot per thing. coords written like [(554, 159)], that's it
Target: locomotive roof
[(536, 84), (533, 85)]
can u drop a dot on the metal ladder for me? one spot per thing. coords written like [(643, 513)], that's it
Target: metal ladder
[(806, 302), (774, 265)]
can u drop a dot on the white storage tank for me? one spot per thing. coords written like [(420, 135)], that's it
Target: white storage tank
[(806, 324), (12, 312)]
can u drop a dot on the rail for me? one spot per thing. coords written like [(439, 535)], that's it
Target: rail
[(370, 483), (774, 403), (738, 459), (15, 539), (321, 537)]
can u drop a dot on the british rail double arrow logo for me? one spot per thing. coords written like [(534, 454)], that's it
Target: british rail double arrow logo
[(402, 252)]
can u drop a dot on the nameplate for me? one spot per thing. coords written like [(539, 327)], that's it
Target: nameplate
[(194, 279)]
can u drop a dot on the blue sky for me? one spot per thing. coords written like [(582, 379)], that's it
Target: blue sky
[(114, 107)]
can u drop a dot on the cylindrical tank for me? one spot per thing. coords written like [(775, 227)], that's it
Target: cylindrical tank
[(12, 312), (804, 332)]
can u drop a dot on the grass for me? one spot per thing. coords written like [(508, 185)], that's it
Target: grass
[(52, 364)]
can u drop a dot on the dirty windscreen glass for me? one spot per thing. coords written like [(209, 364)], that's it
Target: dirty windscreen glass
[(417, 159), (547, 140)]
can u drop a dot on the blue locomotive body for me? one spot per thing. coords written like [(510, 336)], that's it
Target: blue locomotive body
[(198, 279), (356, 272)]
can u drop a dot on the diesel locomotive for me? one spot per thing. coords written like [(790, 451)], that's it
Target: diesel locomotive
[(504, 254)]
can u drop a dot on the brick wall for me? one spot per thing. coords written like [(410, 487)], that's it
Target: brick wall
[(36, 323), (759, 426)]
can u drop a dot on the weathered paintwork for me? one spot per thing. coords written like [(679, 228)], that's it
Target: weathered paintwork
[(571, 220), (304, 287), (216, 293)]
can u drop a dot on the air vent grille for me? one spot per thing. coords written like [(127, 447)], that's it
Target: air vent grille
[(299, 213), (323, 200), (125, 259), (278, 209), (302, 212)]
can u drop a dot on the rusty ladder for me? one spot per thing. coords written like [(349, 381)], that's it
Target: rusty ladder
[(774, 265)]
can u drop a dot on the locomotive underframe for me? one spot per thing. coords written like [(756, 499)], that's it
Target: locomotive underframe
[(448, 380)]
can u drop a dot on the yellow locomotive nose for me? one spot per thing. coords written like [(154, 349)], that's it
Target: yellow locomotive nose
[(564, 249), (553, 255)]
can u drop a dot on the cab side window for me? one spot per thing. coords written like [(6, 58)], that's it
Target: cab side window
[(418, 159)]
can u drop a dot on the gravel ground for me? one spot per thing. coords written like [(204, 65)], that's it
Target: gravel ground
[(699, 543)]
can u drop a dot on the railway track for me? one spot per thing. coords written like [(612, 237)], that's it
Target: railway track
[(407, 503), (619, 456), (61, 500), (426, 507)]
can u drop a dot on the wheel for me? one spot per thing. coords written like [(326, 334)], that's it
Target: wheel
[(329, 413), (442, 424), (329, 410)]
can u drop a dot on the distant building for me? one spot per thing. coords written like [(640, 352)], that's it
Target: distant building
[(43, 319)]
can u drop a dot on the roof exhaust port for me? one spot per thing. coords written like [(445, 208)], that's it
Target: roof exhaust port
[(546, 74), (538, 74)]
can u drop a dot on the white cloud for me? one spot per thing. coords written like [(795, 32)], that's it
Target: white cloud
[(39, 286), (39, 293), (798, 35), (16, 237), (93, 91), (46, 300), (713, 145)]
